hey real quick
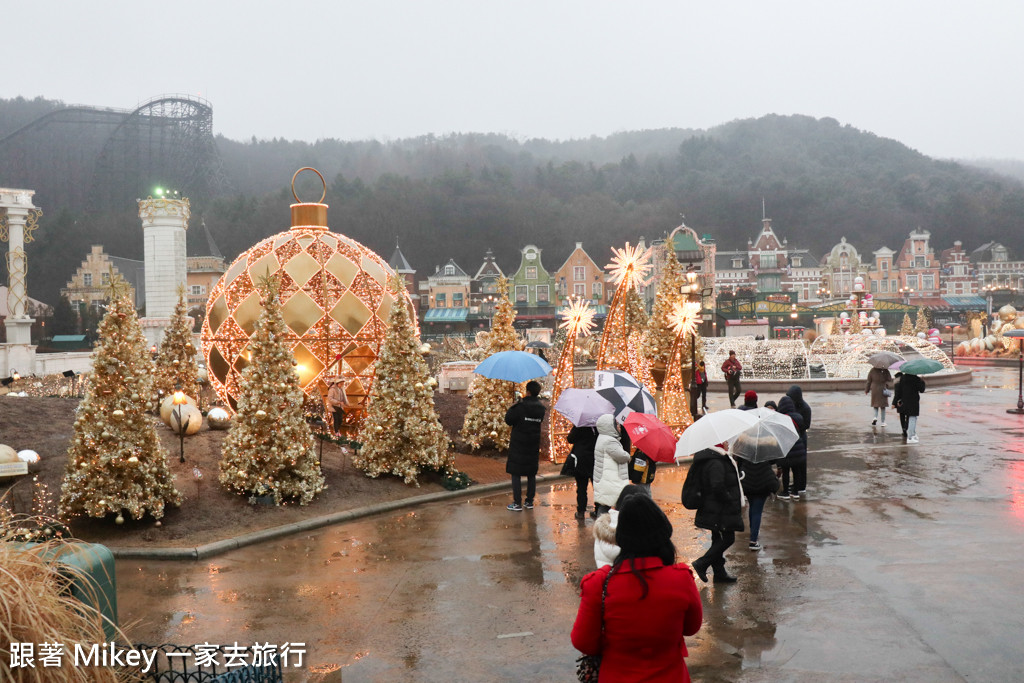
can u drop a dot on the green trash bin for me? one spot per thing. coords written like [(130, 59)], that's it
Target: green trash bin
[(95, 564)]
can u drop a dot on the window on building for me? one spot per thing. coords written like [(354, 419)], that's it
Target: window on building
[(531, 272), (457, 300), (737, 263), (597, 290), (449, 270), (87, 279), (928, 282), (105, 279), (912, 282), (874, 285), (579, 290), (885, 285), (542, 294), (579, 273), (197, 290), (885, 267), (768, 261), (920, 262), (522, 293), (440, 301)]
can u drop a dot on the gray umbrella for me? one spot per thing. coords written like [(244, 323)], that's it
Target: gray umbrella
[(883, 359)]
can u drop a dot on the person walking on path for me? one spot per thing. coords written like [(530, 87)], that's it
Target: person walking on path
[(525, 418), (749, 400), (583, 440), (759, 482), (897, 403), (797, 394), (879, 385), (795, 461), (911, 388), (720, 510), (611, 462), (732, 369), (642, 469), (338, 401), (636, 613), (699, 389), (605, 547)]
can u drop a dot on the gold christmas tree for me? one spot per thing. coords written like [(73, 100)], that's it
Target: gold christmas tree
[(176, 361), (402, 434), (269, 449), (921, 324), (855, 326), (116, 464), (675, 408), (485, 416), (837, 326), (660, 336), (629, 268), (577, 320), (907, 328)]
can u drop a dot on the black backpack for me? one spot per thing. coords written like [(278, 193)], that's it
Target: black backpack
[(693, 486)]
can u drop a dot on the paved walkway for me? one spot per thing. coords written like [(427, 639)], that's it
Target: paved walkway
[(902, 564)]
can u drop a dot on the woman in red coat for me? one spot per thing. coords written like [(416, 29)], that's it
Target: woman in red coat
[(651, 602)]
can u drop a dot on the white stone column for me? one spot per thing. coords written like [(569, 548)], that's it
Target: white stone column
[(164, 222), (18, 216)]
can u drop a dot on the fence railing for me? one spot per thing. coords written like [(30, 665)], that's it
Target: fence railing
[(211, 664)]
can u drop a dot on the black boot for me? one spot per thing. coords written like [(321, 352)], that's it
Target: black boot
[(701, 568), (722, 576)]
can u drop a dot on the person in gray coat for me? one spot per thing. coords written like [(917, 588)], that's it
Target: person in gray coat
[(879, 385)]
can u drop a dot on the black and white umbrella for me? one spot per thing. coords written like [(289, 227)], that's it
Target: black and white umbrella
[(625, 393)]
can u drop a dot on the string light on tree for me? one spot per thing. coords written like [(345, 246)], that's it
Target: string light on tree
[(577, 321), (675, 408), (629, 269)]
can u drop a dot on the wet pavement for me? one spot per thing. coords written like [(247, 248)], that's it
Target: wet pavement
[(904, 563)]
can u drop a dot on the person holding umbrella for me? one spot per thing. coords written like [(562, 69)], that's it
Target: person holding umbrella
[(879, 385), (897, 402), (611, 462), (583, 440), (525, 418), (755, 451), (720, 510), (911, 388)]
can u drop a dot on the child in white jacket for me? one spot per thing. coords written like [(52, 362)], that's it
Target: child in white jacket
[(605, 549)]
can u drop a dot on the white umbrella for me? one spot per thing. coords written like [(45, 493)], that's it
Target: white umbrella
[(770, 438), (714, 428)]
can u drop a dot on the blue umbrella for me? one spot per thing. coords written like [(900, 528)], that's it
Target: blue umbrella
[(514, 366)]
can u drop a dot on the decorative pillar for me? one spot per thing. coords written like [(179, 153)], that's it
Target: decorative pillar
[(18, 217), (164, 222)]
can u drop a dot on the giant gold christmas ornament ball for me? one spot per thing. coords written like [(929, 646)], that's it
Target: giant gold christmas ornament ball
[(191, 419), (167, 407), (335, 300), (218, 418)]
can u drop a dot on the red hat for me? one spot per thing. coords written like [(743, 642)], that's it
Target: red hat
[(750, 396)]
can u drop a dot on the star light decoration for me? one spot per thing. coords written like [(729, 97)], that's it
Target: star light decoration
[(577, 321), (675, 408), (629, 268)]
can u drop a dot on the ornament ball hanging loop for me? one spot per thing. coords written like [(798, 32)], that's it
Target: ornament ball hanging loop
[(309, 214)]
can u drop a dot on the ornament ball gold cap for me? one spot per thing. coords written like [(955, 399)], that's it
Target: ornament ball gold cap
[(309, 214)]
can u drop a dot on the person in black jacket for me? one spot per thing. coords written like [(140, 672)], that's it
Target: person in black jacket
[(525, 418), (758, 481), (897, 399), (583, 440), (911, 388), (796, 460), (720, 511)]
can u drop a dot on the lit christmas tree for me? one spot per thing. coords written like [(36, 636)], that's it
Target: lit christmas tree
[(629, 268), (907, 328), (660, 336), (176, 361), (675, 407), (485, 416), (577, 320), (921, 323), (402, 434), (837, 327), (115, 462), (269, 449), (855, 326)]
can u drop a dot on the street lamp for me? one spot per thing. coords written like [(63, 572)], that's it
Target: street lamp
[(952, 356), (179, 400)]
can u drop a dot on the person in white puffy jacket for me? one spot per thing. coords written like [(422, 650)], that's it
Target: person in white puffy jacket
[(611, 464), (605, 548)]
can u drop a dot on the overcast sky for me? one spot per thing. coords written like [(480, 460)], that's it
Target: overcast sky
[(942, 77)]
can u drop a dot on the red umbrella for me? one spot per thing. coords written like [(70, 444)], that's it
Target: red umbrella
[(652, 436)]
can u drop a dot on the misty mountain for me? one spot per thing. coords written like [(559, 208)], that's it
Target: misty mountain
[(455, 196)]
